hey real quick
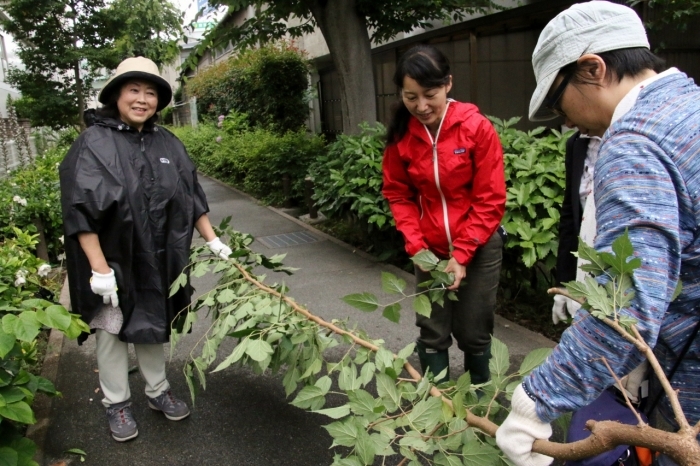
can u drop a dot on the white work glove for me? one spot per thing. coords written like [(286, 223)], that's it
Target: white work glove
[(105, 285), (520, 430), (219, 248), (633, 381), (562, 304)]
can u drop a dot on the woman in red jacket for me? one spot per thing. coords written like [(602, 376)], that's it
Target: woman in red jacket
[(444, 180)]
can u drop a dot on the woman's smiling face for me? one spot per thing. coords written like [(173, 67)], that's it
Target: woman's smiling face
[(427, 105), (137, 102)]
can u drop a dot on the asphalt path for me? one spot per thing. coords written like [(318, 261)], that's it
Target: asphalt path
[(241, 418)]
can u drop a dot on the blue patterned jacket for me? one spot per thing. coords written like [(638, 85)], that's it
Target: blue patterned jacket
[(647, 180)]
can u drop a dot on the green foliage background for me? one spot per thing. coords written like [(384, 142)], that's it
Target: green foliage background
[(269, 84)]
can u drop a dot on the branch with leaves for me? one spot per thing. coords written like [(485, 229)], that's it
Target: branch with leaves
[(605, 301), (385, 412)]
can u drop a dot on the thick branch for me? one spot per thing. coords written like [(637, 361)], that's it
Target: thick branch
[(605, 435)]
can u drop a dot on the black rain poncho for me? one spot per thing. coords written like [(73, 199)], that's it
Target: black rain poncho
[(138, 191)]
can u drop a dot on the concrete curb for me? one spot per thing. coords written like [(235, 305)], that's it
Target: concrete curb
[(42, 404)]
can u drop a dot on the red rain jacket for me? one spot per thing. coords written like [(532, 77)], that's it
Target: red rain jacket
[(463, 186)]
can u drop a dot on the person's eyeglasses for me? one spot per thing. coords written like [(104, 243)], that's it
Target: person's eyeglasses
[(553, 102)]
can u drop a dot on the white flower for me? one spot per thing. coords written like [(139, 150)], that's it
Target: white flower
[(44, 270), (20, 200), (61, 239), (21, 273), (61, 256), (20, 281)]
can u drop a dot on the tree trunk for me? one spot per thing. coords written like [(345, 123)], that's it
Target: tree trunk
[(81, 98), (345, 32)]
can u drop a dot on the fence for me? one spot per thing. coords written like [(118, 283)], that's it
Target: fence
[(16, 146)]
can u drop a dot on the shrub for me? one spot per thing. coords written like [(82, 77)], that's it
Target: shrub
[(535, 179), (24, 279), (255, 160), (31, 194), (269, 84), (348, 182)]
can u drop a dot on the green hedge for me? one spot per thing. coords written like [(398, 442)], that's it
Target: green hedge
[(255, 160), (32, 193), (269, 84)]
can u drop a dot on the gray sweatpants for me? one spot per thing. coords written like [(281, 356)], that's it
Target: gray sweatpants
[(470, 319), (113, 366)]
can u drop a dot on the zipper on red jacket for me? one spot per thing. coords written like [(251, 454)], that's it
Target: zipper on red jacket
[(437, 175)]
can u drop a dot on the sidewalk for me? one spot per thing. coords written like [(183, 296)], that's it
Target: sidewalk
[(241, 418)]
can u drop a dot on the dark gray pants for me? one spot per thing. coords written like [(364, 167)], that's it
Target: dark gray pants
[(469, 320)]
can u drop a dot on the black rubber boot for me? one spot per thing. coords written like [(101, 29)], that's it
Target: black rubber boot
[(478, 365), (434, 360)]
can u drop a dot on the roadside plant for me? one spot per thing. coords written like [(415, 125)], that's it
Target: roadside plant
[(24, 315), (30, 201), (388, 408), (534, 165), (348, 187)]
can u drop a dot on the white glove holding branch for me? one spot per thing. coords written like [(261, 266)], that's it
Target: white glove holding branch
[(105, 285), (562, 304), (219, 248), (520, 430)]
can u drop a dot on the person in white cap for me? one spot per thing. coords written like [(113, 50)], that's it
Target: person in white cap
[(131, 200), (594, 68)]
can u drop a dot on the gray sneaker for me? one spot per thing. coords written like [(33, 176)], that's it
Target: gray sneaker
[(121, 422), (173, 408)]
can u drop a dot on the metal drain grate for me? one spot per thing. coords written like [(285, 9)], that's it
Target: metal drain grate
[(287, 239)]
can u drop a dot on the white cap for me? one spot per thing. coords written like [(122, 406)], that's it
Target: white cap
[(592, 27)]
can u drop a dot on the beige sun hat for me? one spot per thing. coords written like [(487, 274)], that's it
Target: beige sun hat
[(592, 27), (137, 68)]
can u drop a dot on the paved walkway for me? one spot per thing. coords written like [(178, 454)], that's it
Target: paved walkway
[(241, 418)]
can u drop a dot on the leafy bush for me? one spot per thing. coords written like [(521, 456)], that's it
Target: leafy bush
[(23, 279), (535, 179), (255, 160), (348, 183), (269, 84), (32, 194)]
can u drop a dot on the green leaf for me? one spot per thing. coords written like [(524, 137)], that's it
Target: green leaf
[(179, 282), (27, 326), (367, 373), (422, 306), (226, 296), (426, 413), (362, 403), (366, 302), (533, 359), (235, 355), (46, 386), (259, 350), (11, 394), (406, 351), (392, 284), (386, 389), (7, 342), (500, 360), (392, 312), (310, 397), (55, 316), (20, 412), (480, 454), (8, 456), (76, 451), (334, 413), (425, 260), (347, 379), (344, 432), (585, 252), (442, 459), (413, 439), (364, 447)]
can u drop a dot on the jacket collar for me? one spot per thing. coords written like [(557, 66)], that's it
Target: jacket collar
[(456, 113), (117, 124)]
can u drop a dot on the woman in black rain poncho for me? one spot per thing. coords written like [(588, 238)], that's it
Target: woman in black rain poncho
[(131, 201)]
